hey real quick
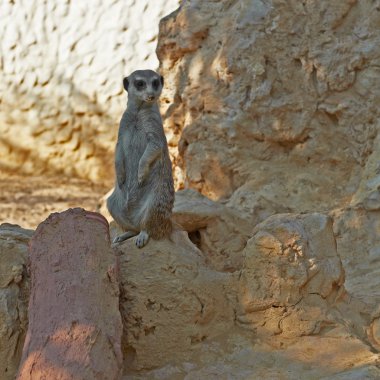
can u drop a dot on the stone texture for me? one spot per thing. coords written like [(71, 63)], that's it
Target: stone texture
[(75, 325), (281, 314), (14, 296), (170, 302), (291, 272), (61, 70), (280, 115), (281, 111), (358, 245), (367, 195), (219, 232)]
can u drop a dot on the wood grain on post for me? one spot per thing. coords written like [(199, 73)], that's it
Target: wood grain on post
[(75, 325)]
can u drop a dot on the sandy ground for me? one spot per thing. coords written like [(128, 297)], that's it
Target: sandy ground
[(27, 201)]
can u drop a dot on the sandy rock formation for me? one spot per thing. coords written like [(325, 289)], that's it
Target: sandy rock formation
[(75, 326), (14, 296), (358, 245), (291, 273), (281, 110), (367, 195), (170, 302), (61, 70), (356, 228), (281, 314), (219, 232), (273, 317), (280, 115)]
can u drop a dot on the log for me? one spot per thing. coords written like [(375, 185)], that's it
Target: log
[(75, 325)]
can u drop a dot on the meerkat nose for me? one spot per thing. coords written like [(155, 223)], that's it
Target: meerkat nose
[(150, 97)]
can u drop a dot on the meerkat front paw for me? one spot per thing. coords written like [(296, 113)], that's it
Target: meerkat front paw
[(142, 172), (117, 239), (141, 175), (141, 239), (123, 237)]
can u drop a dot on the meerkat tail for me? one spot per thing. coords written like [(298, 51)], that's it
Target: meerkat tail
[(158, 223)]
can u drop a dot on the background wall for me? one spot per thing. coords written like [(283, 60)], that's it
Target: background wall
[(61, 69)]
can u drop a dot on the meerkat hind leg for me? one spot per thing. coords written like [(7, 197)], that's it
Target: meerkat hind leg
[(124, 236), (142, 239)]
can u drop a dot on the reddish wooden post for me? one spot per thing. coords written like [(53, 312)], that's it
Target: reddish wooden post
[(75, 325)]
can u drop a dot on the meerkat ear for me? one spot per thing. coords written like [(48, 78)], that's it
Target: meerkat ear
[(162, 80), (126, 83)]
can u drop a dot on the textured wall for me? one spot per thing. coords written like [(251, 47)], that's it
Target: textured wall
[(282, 110), (61, 69)]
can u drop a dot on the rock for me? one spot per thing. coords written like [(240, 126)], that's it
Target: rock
[(256, 122), (218, 231), (374, 332), (253, 206), (282, 313), (75, 325), (14, 296), (370, 372), (358, 245), (194, 211), (265, 130), (367, 195), (291, 274), (170, 301)]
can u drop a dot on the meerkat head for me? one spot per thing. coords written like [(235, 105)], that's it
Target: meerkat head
[(144, 85)]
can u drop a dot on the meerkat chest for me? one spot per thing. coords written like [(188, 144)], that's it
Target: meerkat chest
[(135, 139)]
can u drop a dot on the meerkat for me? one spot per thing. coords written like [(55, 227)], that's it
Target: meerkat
[(143, 197)]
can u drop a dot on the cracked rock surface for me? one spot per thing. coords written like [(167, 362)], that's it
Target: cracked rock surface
[(281, 313), (278, 316), (281, 113)]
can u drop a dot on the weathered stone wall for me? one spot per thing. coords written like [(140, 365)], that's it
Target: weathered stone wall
[(273, 103), (61, 70), (280, 115)]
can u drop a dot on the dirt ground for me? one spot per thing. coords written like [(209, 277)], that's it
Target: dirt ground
[(27, 201)]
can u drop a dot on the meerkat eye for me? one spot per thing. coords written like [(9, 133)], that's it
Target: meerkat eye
[(155, 84), (139, 84)]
